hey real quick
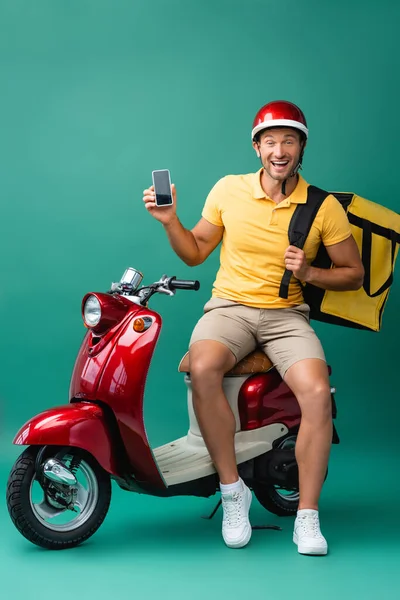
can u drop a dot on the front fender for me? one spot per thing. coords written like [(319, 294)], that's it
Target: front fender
[(80, 424)]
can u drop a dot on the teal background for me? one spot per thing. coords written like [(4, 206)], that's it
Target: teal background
[(97, 94)]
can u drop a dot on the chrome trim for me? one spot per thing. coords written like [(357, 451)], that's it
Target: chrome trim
[(56, 471)]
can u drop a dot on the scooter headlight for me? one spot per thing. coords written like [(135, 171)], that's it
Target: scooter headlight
[(92, 311)]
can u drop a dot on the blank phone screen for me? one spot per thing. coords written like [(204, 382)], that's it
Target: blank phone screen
[(162, 187)]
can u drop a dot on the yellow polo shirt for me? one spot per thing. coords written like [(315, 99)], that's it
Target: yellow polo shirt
[(256, 237)]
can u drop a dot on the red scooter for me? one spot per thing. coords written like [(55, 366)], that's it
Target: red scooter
[(59, 489)]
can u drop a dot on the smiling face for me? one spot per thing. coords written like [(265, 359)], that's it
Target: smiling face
[(280, 150)]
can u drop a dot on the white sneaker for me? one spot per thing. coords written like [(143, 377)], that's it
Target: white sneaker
[(236, 528), (307, 534)]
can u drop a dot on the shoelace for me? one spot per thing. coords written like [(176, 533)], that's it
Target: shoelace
[(309, 525), (233, 508)]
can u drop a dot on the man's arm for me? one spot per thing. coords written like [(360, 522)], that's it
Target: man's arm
[(193, 247), (348, 273)]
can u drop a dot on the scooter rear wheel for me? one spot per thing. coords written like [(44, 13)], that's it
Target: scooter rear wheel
[(275, 500), (45, 522)]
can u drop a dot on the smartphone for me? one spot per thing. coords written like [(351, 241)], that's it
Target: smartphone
[(162, 187)]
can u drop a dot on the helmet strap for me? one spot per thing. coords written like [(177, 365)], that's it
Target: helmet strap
[(294, 172)]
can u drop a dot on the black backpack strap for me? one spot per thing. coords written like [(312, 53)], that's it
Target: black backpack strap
[(299, 228)]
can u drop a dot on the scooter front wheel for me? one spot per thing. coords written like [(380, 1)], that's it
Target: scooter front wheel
[(51, 514)]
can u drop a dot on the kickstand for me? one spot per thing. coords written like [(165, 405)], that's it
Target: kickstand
[(275, 527), (209, 517)]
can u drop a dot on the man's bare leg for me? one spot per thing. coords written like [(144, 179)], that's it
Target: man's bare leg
[(309, 381), (209, 361)]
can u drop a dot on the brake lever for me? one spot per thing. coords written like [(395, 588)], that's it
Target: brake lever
[(163, 286), (163, 290)]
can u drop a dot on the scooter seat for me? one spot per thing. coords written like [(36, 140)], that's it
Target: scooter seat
[(255, 362)]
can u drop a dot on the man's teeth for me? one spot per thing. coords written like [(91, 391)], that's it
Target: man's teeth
[(281, 163)]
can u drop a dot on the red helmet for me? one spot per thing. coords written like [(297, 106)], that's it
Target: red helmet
[(279, 114)]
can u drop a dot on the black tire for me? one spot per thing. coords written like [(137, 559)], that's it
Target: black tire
[(283, 503), (278, 501), (274, 501), (24, 518)]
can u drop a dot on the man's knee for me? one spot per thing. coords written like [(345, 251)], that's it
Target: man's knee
[(315, 400), (320, 389), (209, 361)]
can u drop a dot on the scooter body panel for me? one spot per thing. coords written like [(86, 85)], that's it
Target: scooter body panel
[(187, 459), (94, 351), (81, 425), (116, 375), (265, 399)]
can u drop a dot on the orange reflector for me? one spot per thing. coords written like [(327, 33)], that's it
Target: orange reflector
[(139, 325)]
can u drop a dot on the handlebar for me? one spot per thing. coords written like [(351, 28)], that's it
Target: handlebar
[(166, 285), (183, 284)]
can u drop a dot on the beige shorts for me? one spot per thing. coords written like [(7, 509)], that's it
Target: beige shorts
[(284, 334)]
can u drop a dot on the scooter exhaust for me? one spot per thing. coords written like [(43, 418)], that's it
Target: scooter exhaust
[(56, 471)]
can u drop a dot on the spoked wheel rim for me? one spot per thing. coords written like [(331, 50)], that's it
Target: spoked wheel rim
[(53, 515), (288, 495)]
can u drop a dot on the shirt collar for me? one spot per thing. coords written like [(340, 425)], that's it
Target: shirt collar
[(298, 196)]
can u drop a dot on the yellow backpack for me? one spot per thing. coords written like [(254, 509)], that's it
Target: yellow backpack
[(376, 230)]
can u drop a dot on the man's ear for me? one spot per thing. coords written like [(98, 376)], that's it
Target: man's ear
[(256, 147)]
